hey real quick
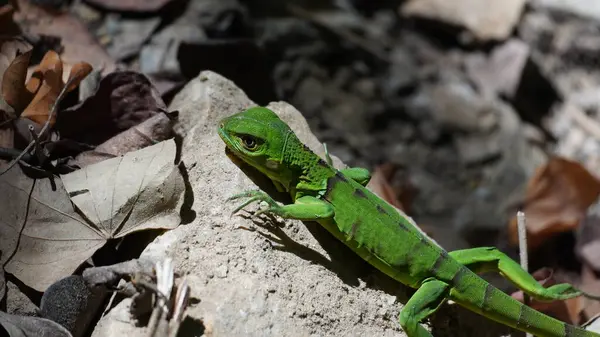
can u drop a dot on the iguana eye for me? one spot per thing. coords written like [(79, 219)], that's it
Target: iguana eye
[(249, 142)]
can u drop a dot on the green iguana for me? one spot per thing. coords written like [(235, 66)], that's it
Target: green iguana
[(381, 234)]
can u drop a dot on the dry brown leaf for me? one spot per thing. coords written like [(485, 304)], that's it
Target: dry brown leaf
[(141, 190), (78, 43), (123, 100), (557, 198), (380, 185), (78, 72), (154, 129), (13, 83), (10, 48), (47, 82), (50, 70)]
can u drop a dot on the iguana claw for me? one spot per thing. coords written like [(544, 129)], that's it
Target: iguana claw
[(255, 195)]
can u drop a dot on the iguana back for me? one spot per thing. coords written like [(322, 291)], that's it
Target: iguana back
[(383, 235)]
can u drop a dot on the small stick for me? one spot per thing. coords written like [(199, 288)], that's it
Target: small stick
[(522, 230)]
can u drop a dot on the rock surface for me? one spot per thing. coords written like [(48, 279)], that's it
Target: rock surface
[(307, 284), (487, 20), (584, 8)]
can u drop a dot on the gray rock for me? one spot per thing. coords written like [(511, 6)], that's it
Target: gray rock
[(477, 148), (487, 20), (583, 8), (453, 106), (490, 205), (502, 72), (127, 35), (315, 287), (513, 71), (70, 303)]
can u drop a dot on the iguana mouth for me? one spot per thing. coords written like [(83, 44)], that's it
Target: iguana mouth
[(233, 156)]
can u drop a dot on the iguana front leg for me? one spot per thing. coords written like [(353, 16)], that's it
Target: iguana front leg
[(358, 174), (485, 259), (305, 208), (424, 302)]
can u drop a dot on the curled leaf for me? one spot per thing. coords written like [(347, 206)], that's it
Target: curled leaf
[(46, 83), (10, 49), (123, 100), (13, 82), (380, 185), (557, 198)]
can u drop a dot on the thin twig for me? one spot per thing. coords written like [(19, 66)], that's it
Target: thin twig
[(181, 302), (60, 97), (158, 324), (522, 230)]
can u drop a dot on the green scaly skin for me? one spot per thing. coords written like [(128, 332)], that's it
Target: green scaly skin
[(383, 235)]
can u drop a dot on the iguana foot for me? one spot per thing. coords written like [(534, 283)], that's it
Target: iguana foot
[(257, 195)]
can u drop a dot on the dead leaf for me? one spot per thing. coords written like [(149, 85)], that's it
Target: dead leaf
[(155, 129), (141, 190), (10, 48), (557, 198), (47, 77), (27, 326), (567, 311), (78, 44), (55, 239), (130, 5), (13, 82), (380, 185), (124, 99), (78, 72), (143, 180)]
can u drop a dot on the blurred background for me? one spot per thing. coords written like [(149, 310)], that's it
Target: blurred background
[(465, 110)]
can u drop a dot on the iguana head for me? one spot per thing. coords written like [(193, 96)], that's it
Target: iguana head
[(258, 137)]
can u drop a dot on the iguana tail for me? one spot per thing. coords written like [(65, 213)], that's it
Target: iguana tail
[(487, 300)]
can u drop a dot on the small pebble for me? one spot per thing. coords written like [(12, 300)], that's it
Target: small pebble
[(222, 271)]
